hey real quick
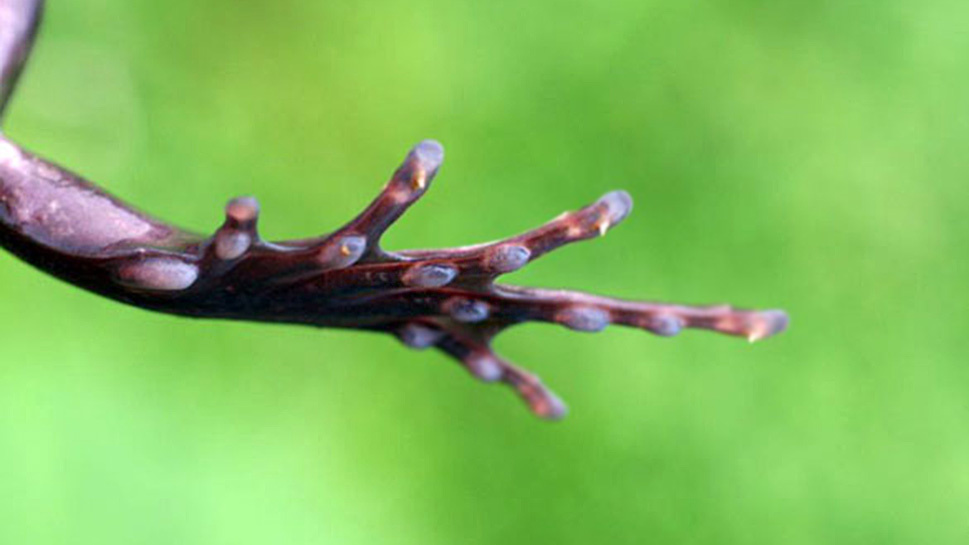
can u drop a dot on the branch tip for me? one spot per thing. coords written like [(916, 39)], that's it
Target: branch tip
[(767, 323), (420, 167), (242, 210), (429, 155), (616, 207), (543, 402)]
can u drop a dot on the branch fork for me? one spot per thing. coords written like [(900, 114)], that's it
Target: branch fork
[(446, 299)]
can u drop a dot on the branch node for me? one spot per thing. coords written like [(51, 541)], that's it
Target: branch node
[(506, 258), (665, 325), (231, 245), (583, 318), (158, 274), (342, 251), (238, 232), (466, 310), (419, 336), (429, 276), (484, 365)]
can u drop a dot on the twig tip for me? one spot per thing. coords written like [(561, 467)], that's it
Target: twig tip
[(768, 323), (242, 209), (429, 155), (618, 206)]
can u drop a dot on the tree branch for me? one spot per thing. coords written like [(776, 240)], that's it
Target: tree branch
[(444, 298)]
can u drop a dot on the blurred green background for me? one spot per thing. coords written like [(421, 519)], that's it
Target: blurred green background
[(803, 155)]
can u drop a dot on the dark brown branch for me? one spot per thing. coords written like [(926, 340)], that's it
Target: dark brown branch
[(443, 298)]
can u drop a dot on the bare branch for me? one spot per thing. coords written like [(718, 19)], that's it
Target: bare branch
[(444, 298), (496, 258)]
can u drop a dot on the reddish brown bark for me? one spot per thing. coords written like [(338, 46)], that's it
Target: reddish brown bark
[(445, 298)]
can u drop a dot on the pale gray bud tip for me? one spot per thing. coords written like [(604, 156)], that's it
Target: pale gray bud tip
[(158, 274), (618, 205), (419, 336), (466, 310), (768, 323), (429, 276), (507, 258), (429, 154), (590, 319), (242, 209), (550, 407)]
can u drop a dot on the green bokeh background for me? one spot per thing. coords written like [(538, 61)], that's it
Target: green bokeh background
[(803, 155)]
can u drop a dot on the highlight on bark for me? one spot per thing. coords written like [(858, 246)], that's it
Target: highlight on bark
[(446, 299)]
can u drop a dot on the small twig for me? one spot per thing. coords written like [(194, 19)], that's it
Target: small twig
[(444, 298)]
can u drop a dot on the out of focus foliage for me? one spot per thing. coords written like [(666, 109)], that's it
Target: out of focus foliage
[(804, 155)]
